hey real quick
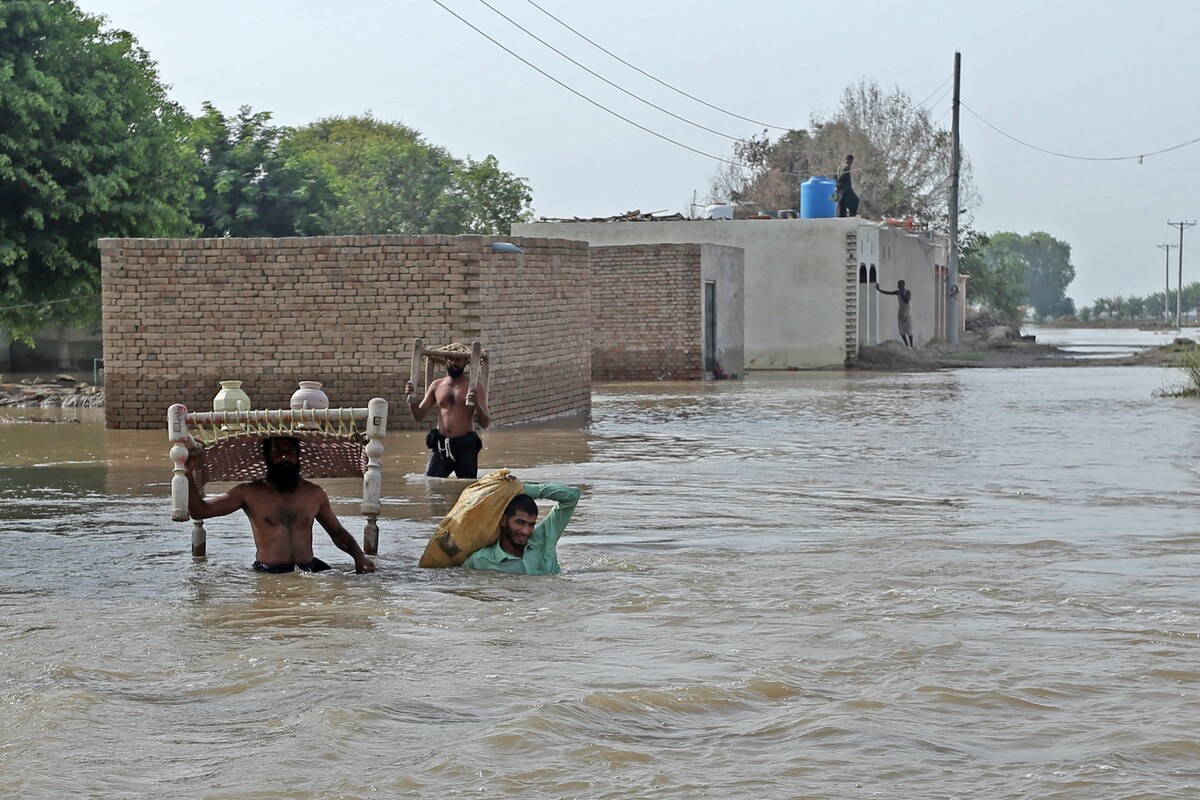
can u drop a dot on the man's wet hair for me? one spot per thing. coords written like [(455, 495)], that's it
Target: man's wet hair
[(266, 445), (521, 502)]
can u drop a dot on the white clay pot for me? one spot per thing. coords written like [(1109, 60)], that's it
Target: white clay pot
[(231, 398), (309, 396)]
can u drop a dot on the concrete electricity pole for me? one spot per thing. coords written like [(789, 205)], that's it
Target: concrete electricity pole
[(952, 297), (1166, 248), (1179, 296)]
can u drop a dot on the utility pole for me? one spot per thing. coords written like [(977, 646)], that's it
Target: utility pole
[(1166, 248), (952, 297), (1179, 296)]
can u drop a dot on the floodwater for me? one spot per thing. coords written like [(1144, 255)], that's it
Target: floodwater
[(974, 583), (1108, 342)]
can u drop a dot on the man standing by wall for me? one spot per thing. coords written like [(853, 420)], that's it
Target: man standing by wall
[(903, 312)]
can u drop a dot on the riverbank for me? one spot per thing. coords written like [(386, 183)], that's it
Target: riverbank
[(974, 350), (61, 391), (1112, 324)]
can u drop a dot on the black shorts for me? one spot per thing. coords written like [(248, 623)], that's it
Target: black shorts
[(459, 455), (316, 565)]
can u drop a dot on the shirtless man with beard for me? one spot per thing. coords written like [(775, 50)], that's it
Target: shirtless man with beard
[(454, 445), (282, 508)]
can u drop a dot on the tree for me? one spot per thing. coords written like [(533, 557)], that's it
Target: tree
[(252, 182), (997, 276), (90, 148), (1133, 308), (494, 199), (901, 159), (388, 179), (1048, 270)]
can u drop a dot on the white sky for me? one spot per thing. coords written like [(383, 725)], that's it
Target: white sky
[(1084, 77)]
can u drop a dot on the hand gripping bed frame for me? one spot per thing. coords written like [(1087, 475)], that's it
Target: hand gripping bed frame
[(334, 443)]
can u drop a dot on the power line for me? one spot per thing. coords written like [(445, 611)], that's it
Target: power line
[(656, 80), (582, 96), (50, 302), (858, 169), (935, 91), (1137, 157), (606, 80)]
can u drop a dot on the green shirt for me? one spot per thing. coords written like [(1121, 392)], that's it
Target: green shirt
[(540, 557)]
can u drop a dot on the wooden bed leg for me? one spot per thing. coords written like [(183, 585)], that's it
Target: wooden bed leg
[(373, 475), (371, 538), (199, 539)]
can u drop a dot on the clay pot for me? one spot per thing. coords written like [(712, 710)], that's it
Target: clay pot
[(309, 396), (231, 398)]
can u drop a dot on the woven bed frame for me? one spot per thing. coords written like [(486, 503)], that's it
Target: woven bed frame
[(334, 443)]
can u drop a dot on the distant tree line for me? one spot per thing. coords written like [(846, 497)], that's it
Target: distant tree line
[(92, 147), (1151, 307)]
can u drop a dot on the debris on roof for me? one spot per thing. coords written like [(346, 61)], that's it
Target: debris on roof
[(628, 216)]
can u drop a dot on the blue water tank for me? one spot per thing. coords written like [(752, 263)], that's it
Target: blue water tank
[(816, 198)]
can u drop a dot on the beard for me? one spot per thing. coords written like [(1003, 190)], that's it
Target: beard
[(284, 476), (455, 371), (506, 533)]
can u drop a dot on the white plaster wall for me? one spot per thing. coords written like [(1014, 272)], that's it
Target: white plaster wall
[(868, 298), (725, 266), (910, 257), (795, 278)]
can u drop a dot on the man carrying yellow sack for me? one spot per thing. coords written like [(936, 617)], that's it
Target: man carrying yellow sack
[(526, 548), (494, 526)]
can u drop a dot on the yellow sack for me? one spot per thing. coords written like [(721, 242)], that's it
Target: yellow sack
[(474, 522)]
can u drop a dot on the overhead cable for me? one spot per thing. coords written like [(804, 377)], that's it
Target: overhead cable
[(50, 302), (585, 97), (1137, 157), (656, 80), (949, 78), (595, 74)]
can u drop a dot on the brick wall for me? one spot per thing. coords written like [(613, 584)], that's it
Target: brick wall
[(180, 315), (646, 312)]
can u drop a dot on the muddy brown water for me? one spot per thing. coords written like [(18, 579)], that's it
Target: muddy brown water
[(974, 583)]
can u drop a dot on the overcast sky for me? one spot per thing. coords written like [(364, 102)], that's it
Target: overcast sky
[(1079, 77)]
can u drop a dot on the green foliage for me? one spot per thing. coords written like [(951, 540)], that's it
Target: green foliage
[(89, 148), (387, 179), (1189, 365), (996, 278), (1035, 268), (1149, 307), (494, 199), (252, 182)]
